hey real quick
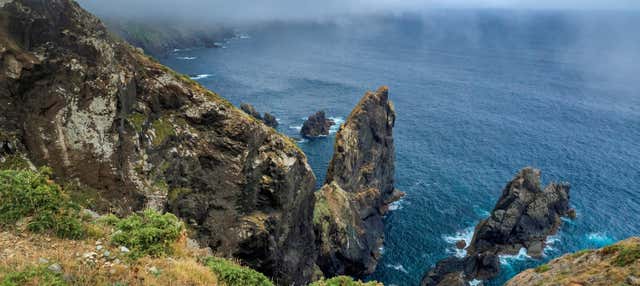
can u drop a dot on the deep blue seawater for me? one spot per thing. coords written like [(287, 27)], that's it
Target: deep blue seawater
[(478, 96)]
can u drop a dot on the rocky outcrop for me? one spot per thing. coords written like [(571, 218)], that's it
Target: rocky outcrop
[(617, 264), (358, 189), (268, 119), (316, 125), (524, 217), (103, 114)]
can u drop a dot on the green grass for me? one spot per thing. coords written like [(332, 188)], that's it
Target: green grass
[(343, 281), (627, 255), (163, 129), (232, 274), (150, 233), (42, 203), (581, 253), (137, 120), (15, 162), (543, 268), (32, 276)]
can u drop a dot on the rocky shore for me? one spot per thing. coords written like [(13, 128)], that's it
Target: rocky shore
[(524, 217)]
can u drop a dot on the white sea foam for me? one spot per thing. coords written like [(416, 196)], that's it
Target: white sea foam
[(397, 267), (465, 234), (201, 76), (599, 238), (338, 121), (301, 140), (522, 255), (549, 244), (397, 205), (475, 282), (186, 58), (296, 127)]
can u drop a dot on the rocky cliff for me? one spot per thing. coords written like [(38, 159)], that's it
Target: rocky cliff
[(358, 189), (617, 264), (135, 134), (524, 217)]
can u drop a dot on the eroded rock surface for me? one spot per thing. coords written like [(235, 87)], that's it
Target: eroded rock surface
[(316, 125), (524, 217), (617, 264), (358, 189), (103, 114)]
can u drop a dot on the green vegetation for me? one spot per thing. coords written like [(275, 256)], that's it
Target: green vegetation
[(163, 129), (235, 275), (33, 196), (15, 162), (543, 268), (137, 121), (176, 193), (344, 281), (611, 249), (150, 233), (627, 255), (581, 253), (32, 276)]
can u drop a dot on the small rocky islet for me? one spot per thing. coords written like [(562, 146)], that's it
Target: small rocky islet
[(115, 125)]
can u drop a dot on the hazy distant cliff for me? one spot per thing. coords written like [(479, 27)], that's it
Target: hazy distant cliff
[(137, 134)]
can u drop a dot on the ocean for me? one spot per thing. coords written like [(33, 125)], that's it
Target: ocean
[(478, 95)]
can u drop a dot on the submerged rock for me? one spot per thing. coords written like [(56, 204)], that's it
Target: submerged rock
[(359, 186), (524, 217), (137, 134), (316, 125)]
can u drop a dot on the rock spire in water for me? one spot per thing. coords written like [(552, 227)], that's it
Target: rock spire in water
[(358, 189)]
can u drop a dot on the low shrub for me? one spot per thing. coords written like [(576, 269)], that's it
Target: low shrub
[(232, 274), (627, 255), (344, 281), (543, 268), (25, 194), (149, 233), (32, 276)]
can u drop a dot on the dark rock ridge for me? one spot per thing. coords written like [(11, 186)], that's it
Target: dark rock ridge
[(268, 119), (159, 38), (136, 134), (524, 217), (316, 125), (358, 189)]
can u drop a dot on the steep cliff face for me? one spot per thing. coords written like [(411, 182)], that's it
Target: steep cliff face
[(359, 187), (104, 115), (617, 264), (524, 217)]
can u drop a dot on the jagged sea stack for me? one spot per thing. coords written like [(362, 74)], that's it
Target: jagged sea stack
[(137, 134), (524, 217), (316, 125), (358, 189)]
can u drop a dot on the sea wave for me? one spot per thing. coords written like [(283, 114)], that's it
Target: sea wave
[(296, 127), (522, 255), (397, 267), (201, 76), (465, 234), (338, 121), (186, 58), (397, 205), (600, 239)]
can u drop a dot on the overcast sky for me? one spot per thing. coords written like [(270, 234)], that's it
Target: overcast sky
[(252, 10)]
